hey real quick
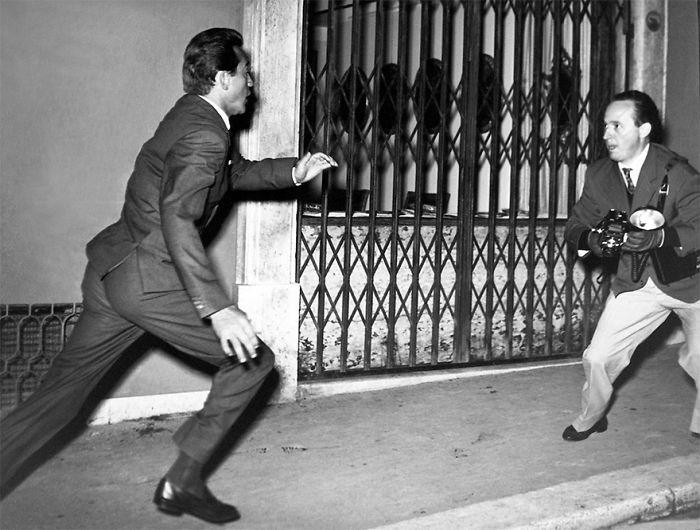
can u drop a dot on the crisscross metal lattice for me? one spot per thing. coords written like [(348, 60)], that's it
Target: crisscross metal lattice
[(463, 130), (30, 337)]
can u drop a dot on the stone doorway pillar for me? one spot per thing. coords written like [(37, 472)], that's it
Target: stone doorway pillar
[(255, 253), (647, 69)]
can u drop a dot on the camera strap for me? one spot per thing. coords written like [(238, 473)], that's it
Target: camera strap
[(639, 262), (669, 266), (663, 190)]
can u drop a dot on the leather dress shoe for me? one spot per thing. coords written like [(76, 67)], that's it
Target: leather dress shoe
[(175, 501), (572, 435)]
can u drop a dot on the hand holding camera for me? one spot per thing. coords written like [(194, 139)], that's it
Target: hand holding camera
[(642, 232), (643, 240), (594, 243), (606, 238)]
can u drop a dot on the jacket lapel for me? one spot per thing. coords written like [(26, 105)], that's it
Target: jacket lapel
[(649, 181), (615, 187)]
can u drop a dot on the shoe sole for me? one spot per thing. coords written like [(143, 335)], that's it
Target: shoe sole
[(164, 506), (601, 428), (169, 508)]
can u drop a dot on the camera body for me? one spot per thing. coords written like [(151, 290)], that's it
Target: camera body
[(612, 229)]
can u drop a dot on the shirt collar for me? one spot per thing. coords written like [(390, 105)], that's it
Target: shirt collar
[(219, 110), (635, 164)]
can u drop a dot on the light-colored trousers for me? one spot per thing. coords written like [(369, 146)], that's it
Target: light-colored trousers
[(627, 320)]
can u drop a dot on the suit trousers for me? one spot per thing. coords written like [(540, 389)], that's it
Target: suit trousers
[(116, 312), (627, 320)]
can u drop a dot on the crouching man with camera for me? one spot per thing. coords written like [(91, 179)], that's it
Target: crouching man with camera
[(641, 206)]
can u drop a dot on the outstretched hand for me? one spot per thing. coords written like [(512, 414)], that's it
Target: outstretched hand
[(310, 166), (236, 333)]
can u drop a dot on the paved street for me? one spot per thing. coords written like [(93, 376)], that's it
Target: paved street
[(473, 451)]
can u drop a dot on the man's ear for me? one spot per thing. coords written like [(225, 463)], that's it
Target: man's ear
[(645, 130), (221, 79)]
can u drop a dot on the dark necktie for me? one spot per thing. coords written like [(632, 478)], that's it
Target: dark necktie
[(628, 180)]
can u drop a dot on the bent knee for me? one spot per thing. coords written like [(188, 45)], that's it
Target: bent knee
[(596, 357), (266, 357)]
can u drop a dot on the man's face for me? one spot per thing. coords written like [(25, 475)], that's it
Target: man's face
[(240, 84), (622, 137)]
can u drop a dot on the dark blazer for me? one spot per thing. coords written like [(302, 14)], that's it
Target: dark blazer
[(180, 176), (604, 190)]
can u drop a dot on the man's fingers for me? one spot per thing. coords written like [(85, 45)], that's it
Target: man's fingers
[(255, 343), (311, 165), (245, 356), (249, 341), (244, 352), (325, 160), (226, 346), (236, 334)]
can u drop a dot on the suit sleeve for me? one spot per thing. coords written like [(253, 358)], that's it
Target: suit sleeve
[(686, 200), (190, 169), (266, 174), (586, 213)]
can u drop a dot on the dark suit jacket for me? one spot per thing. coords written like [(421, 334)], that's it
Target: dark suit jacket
[(604, 190), (180, 176)]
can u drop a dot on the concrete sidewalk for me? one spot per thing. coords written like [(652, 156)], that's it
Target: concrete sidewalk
[(639, 493), (476, 452)]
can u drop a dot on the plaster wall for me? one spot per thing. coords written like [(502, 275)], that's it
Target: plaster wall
[(83, 84), (682, 118)]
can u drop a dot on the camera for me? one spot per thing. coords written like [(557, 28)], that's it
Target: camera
[(612, 229)]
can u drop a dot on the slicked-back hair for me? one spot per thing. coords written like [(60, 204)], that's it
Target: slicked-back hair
[(645, 111), (208, 52)]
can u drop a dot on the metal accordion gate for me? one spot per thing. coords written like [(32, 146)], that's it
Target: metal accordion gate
[(463, 130)]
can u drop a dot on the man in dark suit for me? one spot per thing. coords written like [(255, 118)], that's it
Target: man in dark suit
[(149, 273), (638, 173)]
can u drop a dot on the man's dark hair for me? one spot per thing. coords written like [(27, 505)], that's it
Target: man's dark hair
[(208, 52), (645, 111)]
